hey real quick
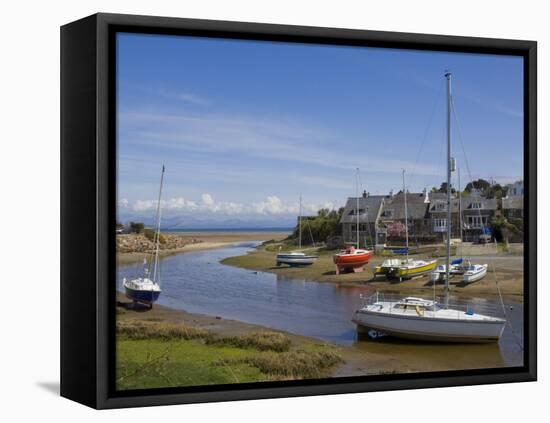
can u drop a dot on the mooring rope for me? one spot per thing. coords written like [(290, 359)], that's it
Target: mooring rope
[(516, 338)]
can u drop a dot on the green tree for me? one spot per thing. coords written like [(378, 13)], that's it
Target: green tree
[(136, 227), (480, 184), (502, 229), (443, 188), (319, 228)]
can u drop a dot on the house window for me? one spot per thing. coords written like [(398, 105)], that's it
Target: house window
[(353, 228), (440, 206), (361, 211), (476, 222), (388, 213), (440, 225), (362, 227), (476, 205)]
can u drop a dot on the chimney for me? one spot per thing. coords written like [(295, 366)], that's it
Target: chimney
[(426, 196), (365, 194)]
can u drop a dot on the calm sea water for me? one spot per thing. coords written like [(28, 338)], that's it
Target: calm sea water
[(232, 230), (197, 282)]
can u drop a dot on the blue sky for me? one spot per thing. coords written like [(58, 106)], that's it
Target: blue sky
[(244, 127)]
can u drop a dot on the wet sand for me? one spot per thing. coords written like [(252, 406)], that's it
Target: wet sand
[(508, 269), (364, 357)]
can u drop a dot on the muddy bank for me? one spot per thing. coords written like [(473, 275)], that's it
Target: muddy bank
[(508, 269)]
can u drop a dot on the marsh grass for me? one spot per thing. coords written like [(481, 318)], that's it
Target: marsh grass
[(168, 331), (172, 331), (299, 364), (262, 341)]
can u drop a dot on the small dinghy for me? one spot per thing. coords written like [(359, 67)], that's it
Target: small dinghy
[(351, 259), (458, 267), (296, 258), (475, 272)]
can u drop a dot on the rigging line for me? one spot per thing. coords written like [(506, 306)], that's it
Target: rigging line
[(504, 310), (459, 131), (443, 142), (465, 157), (426, 132)]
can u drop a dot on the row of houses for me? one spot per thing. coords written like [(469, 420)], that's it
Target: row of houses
[(383, 216)]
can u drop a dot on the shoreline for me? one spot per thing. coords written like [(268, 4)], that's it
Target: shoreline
[(213, 349), (509, 271), (363, 358), (198, 241)]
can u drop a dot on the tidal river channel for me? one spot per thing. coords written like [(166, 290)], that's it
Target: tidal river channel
[(198, 283)]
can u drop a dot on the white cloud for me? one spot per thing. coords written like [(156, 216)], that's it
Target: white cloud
[(207, 200), (179, 203), (272, 205), (123, 203)]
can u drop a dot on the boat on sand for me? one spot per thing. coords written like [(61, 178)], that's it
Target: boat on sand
[(296, 258), (146, 289), (351, 259), (426, 319), (406, 268)]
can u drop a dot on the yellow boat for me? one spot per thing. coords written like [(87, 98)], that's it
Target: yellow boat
[(404, 268)]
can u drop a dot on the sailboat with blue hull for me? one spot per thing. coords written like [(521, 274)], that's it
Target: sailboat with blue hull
[(146, 289)]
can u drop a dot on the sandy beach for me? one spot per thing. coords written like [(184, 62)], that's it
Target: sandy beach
[(191, 241)]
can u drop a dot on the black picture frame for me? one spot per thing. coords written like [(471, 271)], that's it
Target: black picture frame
[(88, 208)]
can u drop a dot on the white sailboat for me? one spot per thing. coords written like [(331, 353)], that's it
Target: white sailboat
[(426, 320), (419, 318), (297, 258), (146, 289), (406, 268)]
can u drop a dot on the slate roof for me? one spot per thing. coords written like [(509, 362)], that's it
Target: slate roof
[(466, 203), (416, 206), (368, 208)]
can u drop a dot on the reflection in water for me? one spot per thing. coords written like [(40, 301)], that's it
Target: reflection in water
[(198, 283)]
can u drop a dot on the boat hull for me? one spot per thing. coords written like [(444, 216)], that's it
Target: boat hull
[(352, 259), (430, 329), (405, 273), (295, 260), (470, 277), (346, 262), (142, 296)]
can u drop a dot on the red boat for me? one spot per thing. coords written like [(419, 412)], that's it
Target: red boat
[(351, 259)]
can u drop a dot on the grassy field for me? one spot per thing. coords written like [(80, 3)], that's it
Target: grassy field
[(153, 352), (508, 268)]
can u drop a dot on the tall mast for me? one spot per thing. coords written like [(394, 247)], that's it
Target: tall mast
[(448, 258), (406, 217), (357, 205), (460, 211), (300, 225), (157, 228)]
